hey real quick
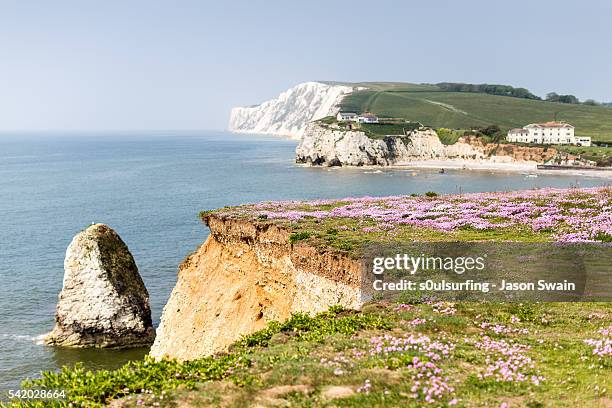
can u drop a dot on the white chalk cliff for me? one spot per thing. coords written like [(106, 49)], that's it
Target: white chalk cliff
[(290, 112)]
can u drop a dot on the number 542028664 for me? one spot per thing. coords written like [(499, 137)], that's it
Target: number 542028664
[(37, 393)]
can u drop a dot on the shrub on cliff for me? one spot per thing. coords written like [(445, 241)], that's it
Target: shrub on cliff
[(95, 388), (298, 236)]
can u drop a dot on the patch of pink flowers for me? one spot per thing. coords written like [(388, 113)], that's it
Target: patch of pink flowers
[(428, 383), (571, 215), (602, 347), (403, 307), (433, 349), (365, 388), (445, 308), (507, 362), (417, 322), (501, 329)]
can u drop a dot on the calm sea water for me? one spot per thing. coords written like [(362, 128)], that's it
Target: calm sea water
[(150, 188)]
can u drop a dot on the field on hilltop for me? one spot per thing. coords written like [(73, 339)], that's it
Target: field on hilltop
[(434, 107)]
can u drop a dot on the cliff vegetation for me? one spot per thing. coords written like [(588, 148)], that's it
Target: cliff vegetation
[(413, 353)]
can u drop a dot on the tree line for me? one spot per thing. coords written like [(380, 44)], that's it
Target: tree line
[(555, 97), (507, 90), (492, 89)]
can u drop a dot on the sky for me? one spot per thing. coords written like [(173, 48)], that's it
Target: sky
[(182, 64)]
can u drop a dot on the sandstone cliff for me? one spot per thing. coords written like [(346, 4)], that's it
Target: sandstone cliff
[(329, 146), (290, 112), (245, 275), (103, 302)]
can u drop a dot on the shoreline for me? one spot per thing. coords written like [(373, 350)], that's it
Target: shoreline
[(470, 165), (452, 164), (529, 167), (525, 167)]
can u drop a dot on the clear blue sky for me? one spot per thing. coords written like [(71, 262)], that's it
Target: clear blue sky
[(118, 64)]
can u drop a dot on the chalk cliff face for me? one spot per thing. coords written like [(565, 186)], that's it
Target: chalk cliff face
[(245, 275), (103, 302), (329, 146), (291, 111)]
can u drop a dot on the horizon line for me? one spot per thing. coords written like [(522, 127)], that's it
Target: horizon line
[(113, 130)]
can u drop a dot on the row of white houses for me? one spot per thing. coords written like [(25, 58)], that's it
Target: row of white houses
[(353, 117), (547, 133)]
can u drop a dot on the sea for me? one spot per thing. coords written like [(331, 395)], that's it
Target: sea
[(149, 187)]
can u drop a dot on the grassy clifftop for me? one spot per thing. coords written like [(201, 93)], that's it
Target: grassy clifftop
[(412, 354), (545, 215), (434, 107)]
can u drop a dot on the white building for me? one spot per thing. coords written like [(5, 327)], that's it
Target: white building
[(367, 118), (548, 133), (347, 116)]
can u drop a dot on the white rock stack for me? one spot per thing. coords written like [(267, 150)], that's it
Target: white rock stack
[(103, 302)]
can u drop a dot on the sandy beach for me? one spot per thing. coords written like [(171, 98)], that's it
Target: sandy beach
[(521, 167), (470, 165)]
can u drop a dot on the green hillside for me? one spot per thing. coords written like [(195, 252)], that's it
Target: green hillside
[(431, 106)]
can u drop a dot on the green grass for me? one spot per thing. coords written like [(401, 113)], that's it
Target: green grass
[(372, 130), (377, 131), (458, 110), (298, 236), (296, 363), (449, 136)]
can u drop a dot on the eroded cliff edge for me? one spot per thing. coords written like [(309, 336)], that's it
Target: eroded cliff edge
[(245, 275), (324, 145)]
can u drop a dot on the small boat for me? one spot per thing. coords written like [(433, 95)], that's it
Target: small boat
[(441, 171), (532, 175)]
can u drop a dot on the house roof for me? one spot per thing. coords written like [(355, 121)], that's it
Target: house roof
[(549, 125), (517, 130), (348, 113)]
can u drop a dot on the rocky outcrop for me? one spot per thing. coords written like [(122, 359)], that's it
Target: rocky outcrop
[(290, 112), (103, 302), (511, 152), (323, 145), (326, 146), (245, 275)]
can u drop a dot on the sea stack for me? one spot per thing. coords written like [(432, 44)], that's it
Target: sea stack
[(103, 302)]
